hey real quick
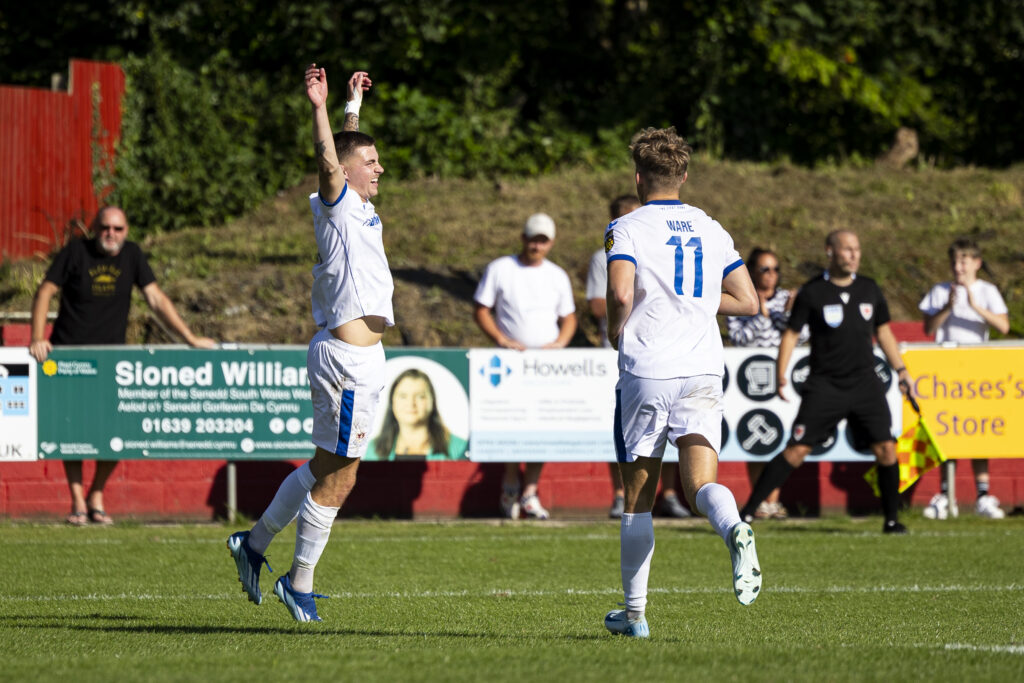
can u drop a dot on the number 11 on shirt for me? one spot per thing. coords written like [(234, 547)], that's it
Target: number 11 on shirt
[(698, 265)]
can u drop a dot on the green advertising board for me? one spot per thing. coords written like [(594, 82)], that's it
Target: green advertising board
[(131, 402)]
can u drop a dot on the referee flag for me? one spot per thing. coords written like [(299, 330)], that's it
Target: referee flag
[(917, 453)]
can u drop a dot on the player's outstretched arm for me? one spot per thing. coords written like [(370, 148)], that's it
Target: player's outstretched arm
[(332, 177), (358, 83), (739, 297), (619, 299)]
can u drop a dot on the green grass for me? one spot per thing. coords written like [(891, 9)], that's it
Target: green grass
[(478, 601)]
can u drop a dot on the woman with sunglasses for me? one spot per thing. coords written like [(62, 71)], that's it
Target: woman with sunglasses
[(764, 330)]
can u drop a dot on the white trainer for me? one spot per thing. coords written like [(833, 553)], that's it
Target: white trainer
[(510, 505), (531, 507), (988, 506), (617, 622), (746, 571), (938, 507)]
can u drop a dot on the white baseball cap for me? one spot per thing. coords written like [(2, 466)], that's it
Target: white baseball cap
[(539, 224)]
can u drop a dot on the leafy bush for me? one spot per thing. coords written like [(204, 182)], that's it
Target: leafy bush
[(199, 147)]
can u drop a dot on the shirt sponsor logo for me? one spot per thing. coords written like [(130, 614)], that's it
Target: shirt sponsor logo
[(833, 315), (866, 310)]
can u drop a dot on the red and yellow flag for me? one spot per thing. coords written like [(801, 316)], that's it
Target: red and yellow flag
[(917, 453)]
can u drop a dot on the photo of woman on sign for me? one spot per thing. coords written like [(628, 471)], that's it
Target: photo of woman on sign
[(412, 425)]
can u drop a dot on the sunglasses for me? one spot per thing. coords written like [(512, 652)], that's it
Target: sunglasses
[(116, 228), (768, 269)]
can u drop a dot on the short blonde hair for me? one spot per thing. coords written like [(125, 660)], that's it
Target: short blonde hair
[(661, 156)]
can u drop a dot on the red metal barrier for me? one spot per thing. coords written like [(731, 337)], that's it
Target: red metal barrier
[(197, 490), (48, 144)]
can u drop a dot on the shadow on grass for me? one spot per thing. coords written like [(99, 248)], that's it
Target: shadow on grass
[(459, 283), (93, 623)]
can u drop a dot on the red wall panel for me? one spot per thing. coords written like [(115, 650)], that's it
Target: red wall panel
[(197, 490), (46, 155)]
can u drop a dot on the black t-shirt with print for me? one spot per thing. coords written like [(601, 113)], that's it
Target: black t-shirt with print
[(842, 321), (96, 291)]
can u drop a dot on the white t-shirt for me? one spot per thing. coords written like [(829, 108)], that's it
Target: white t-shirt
[(527, 300), (597, 288), (681, 256), (963, 325), (351, 277)]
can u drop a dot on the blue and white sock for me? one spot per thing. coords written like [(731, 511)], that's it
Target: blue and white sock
[(283, 509), (636, 536), (314, 528), (717, 503)]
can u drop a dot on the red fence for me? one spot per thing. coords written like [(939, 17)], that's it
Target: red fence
[(48, 141)]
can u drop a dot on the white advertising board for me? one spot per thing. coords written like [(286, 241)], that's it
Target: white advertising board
[(558, 406)]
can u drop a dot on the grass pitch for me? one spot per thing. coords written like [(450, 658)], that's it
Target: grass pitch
[(485, 601)]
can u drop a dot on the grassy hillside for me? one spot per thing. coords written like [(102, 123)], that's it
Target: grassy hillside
[(249, 281)]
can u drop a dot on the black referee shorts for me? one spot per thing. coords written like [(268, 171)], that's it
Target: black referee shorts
[(825, 403)]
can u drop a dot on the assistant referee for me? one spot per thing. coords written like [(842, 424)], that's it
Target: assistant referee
[(843, 312)]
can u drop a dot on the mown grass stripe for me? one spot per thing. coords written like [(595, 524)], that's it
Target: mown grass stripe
[(516, 593)]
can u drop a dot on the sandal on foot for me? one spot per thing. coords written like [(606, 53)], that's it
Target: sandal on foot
[(100, 517), (77, 519)]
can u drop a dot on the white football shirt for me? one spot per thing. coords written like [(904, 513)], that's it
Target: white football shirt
[(597, 288), (351, 277), (963, 325), (527, 300), (681, 256)]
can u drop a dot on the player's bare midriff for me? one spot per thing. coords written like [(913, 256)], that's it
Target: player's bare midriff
[(365, 331)]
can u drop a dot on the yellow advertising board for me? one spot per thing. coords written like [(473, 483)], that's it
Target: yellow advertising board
[(972, 397)]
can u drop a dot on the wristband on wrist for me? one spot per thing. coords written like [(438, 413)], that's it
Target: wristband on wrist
[(899, 370), (352, 107)]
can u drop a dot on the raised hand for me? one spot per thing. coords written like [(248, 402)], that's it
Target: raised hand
[(358, 84), (316, 85)]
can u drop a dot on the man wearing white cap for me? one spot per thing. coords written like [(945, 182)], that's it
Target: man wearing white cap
[(525, 302)]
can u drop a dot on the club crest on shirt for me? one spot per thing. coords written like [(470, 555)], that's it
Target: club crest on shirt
[(609, 242), (798, 432), (833, 315), (866, 310), (845, 296)]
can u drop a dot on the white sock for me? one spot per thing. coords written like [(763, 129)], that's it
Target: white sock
[(636, 536), (717, 503), (283, 509), (311, 536)]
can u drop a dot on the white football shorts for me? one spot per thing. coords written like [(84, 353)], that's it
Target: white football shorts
[(345, 382), (651, 412)]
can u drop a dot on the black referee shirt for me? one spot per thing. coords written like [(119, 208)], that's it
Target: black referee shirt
[(842, 322)]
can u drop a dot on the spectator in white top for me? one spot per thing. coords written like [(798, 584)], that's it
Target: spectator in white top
[(962, 311), (524, 302), (597, 287)]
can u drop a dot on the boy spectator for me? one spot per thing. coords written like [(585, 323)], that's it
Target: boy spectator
[(962, 311)]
